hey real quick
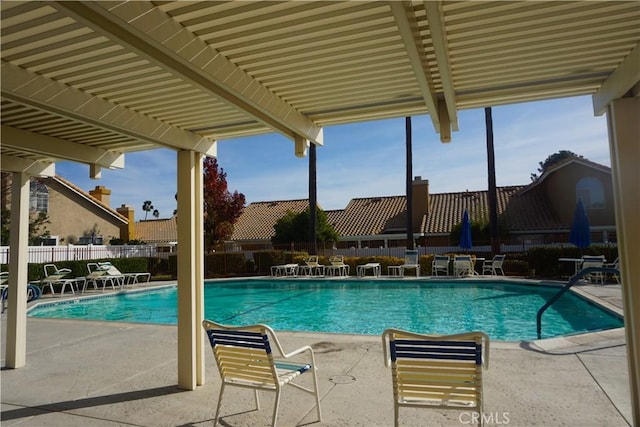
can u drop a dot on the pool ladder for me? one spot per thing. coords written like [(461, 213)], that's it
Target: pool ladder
[(579, 275)]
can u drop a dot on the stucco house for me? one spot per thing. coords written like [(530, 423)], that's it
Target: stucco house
[(540, 212), (76, 216)]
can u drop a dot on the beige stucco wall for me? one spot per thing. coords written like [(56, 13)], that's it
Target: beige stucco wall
[(73, 215), (560, 187)]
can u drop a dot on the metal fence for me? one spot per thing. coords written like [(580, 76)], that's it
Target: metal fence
[(44, 254)]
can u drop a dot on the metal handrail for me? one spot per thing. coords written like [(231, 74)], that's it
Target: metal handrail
[(572, 281)]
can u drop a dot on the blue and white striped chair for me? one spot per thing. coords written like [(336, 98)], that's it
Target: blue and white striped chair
[(437, 371), (245, 359)]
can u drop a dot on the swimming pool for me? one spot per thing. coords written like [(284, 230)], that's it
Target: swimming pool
[(504, 310)]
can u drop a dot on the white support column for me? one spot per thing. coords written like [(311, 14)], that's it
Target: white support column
[(190, 271), (18, 257), (198, 194), (624, 143)]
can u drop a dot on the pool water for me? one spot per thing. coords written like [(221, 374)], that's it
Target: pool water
[(505, 311)]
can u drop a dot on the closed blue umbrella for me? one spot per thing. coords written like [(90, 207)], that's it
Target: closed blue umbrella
[(465, 232), (580, 234)]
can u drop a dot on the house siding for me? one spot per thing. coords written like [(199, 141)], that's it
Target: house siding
[(72, 216)]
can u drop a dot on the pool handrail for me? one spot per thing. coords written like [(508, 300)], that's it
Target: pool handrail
[(572, 281)]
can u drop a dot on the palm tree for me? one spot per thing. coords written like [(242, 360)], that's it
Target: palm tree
[(147, 207), (156, 213)]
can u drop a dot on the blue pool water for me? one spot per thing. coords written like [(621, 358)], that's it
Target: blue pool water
[(505, 311)]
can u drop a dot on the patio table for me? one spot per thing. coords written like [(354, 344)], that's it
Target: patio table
[(373, 266)]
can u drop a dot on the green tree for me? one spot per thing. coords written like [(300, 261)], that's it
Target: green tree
[(37, 227), (5, 226), (295, 228), (147, 207), (552, 160), (221, 208), (156, 213)]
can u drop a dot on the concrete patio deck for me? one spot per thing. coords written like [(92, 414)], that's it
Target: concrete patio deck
[(81, 373)]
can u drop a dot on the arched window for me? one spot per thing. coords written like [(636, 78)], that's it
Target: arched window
[(591, 191), (38, 197)]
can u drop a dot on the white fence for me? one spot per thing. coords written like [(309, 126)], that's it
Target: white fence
[(44, 254)]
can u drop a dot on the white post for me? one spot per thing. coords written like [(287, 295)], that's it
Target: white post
[(190, 271), (18, 260), (624, 143)]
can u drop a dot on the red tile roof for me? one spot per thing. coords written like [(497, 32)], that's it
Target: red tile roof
[(157, 230), (257, 219), (380, 215), (370, 216), (447, 208)]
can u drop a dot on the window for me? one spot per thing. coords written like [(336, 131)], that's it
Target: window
[(591, 191), (38, 197)]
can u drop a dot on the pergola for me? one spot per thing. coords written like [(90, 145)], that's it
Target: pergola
[(92, 81)]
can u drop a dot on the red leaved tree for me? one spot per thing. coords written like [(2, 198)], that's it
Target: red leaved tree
[(221, 208)]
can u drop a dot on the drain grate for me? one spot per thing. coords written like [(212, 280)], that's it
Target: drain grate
[(342, 379)]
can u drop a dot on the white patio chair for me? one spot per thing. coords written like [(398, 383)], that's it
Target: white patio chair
[(436, 371), (593, 261), (440, 264), (53, 276), (494, 265), (462, 266), (245, 359), (337, 266), (411, 262)]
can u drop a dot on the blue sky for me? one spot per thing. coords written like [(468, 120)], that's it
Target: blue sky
[(368, 159)]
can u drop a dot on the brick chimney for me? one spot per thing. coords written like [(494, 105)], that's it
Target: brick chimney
[(101, 193), (128, 231), (421, 203)]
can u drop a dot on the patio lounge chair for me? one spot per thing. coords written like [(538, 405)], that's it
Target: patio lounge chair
[(312, 267), (33, 291), (53, 276), (463, 266), (411, 261), (337, 267), (436, 371), (245, 359), (593, 261), (440, 264), (615, 264), (124, 278), (4, 278), (284, 270), (494, 265), (98, 273)]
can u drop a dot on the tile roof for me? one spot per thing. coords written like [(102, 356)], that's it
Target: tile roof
[(370, 216), (379, 215), (157, 230), (532, 211), (447, 208), (258, 218)]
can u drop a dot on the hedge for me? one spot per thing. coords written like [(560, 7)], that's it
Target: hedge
[(538, 262)]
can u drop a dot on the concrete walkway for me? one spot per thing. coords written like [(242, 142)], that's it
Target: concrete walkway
[(83, 373)]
